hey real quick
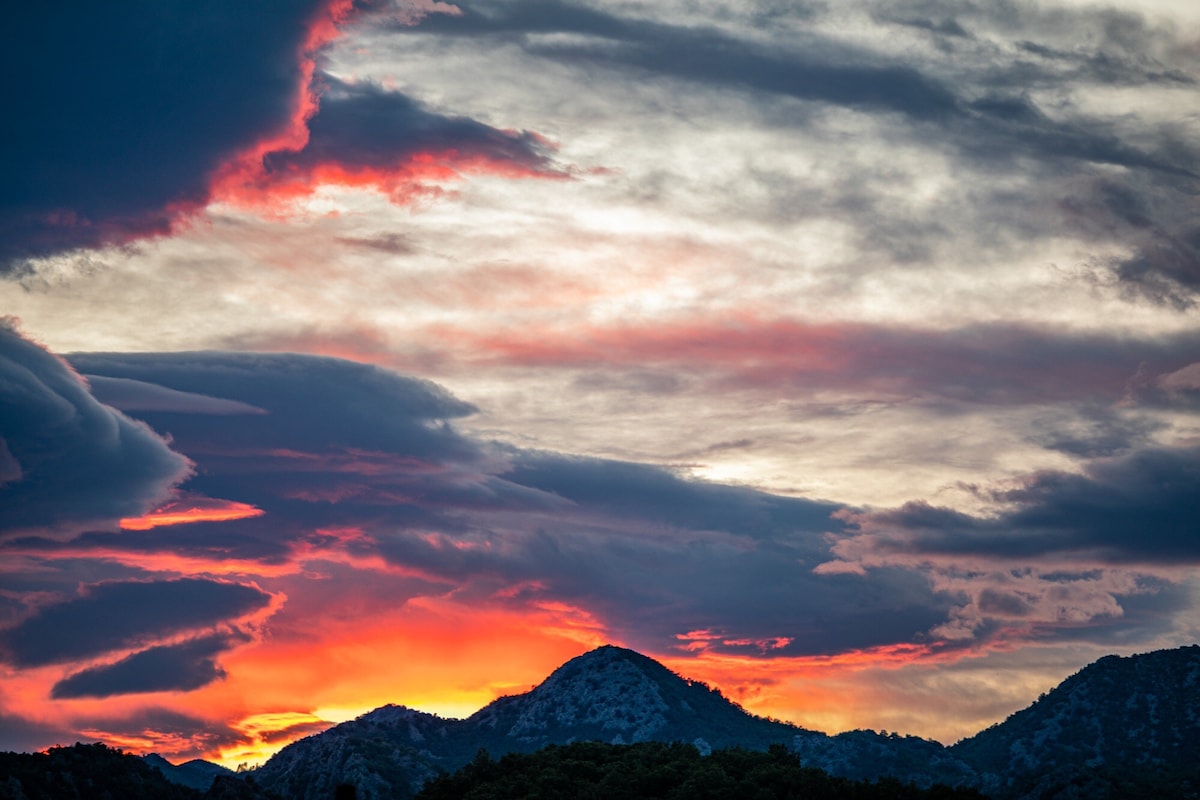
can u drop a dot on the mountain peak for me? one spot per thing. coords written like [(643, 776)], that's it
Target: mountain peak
[(610, 692), (618, 695)]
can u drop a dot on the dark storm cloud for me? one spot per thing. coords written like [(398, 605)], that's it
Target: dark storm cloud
[(637, 540), (177, 667), (1141, 508), (364, 126), (340, 444), (651, 582), (116, 113), (313, 404), (348, 447), (355, 464), (65, 459), (111, 616)]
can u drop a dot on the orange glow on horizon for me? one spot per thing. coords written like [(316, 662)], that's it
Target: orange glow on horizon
[(432, 654)]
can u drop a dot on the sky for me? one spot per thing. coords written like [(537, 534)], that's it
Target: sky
[(842, 355)]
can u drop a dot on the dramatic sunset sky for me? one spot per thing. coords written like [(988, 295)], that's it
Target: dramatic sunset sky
[(844, 355)]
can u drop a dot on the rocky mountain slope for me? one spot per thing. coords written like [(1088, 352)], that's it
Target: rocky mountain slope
[(1117, 726)]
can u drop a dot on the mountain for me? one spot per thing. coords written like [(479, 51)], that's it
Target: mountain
[(197, 773), (611, 695), (1120, 727)]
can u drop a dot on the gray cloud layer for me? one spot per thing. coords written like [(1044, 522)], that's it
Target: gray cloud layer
[(1141, 507), (995, 90)]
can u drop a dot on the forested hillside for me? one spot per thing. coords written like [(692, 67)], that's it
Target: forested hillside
[(651, 770)]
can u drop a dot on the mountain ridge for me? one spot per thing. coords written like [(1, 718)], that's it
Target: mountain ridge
[(609, 694), (1120, 727)]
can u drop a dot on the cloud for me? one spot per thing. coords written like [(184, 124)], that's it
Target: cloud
[(1161, 262), (178, 667), (130, 395), (825, 72), (1007, 91), (314, 404), (358, 466), (1095, 431), (990, 364), (363, 133), (653, 494), (66, 459), (355, 465), (215, 103), (211, 545), (120, 148), (635, 540), (117, 615), (1138, 508), (812, 66)]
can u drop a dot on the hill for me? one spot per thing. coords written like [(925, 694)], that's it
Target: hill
[(1120, 727), (97, 772), (197, 773)]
